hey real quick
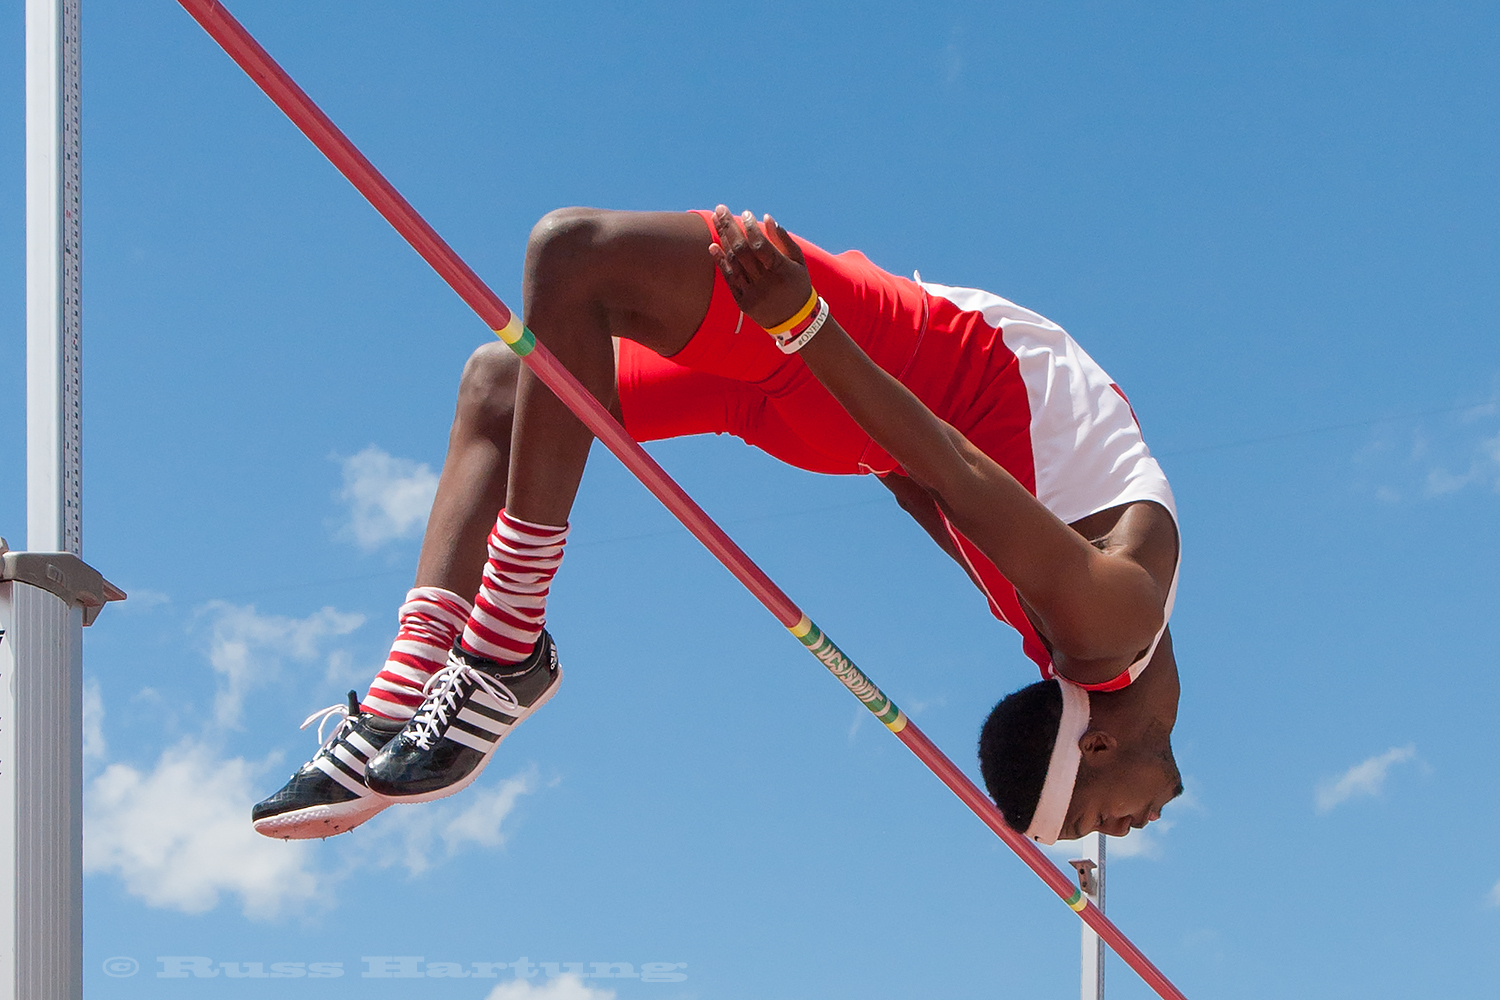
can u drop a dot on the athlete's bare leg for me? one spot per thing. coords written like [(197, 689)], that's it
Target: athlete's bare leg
[(472, 487), (590, 275)]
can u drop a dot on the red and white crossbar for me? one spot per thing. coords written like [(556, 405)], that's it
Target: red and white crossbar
[(308, 117)]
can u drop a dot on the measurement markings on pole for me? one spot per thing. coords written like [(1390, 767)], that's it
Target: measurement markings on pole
[(72, 279)]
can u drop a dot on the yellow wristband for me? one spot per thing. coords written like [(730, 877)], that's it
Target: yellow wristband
[(801, 314)]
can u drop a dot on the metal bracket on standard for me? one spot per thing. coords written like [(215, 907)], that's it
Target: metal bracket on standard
[(62, 574), (1086, 880)]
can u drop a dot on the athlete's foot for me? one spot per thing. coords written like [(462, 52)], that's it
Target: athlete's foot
[(471, 705), (328, 795)]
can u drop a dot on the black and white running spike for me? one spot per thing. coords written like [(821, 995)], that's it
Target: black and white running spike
[(328, 794), (470, 706)]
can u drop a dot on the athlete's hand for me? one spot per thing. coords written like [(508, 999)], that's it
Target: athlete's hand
[(763, 266)]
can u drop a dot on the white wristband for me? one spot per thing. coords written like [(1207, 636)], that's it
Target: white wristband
[(794, 345)]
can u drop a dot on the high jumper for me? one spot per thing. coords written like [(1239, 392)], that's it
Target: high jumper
[(1112, 587), (991, 427)]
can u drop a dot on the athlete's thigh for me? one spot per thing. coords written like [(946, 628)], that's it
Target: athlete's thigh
[(660, 399)]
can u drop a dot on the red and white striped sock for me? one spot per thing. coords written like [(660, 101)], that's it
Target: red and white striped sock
[(512, 604), (430, 620)]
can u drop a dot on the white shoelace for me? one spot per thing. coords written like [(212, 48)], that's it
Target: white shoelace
[(442, 692), (322, 716)]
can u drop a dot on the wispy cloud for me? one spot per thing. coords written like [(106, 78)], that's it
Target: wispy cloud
[(1495, 895), (1364, 780), (860, 714), (143, 599), (1145, 843), (178, 835), (246, 648), (1443, 454), (1148, 842), (388, 497), (418, 839), (94, 747), (566, 987), (952, 59)]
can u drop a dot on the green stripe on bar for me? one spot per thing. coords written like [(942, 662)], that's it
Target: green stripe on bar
[(526, 344), (517, 337), (839, 664)]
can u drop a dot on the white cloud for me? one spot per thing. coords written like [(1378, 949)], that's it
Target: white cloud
[(177, 832), (346, 671), (388, 497), (1495, 895), (419, 838), (1444, 454), (566, 987), (179, 837), (94, 747), (142, 599), (1144, 843), (246, 647), (478, 822), (1365, 779)]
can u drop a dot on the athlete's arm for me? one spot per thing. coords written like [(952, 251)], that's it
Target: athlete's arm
[(912, 497), (1098, 610)]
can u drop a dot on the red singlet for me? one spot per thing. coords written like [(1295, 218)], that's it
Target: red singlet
[(1013, 383)]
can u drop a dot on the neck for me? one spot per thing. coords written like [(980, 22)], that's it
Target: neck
[(1150, 702)]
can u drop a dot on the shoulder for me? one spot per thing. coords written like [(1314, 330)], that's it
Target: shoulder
[(1143, 531)]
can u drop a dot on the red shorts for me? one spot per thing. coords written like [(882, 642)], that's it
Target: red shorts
[(732, 379)]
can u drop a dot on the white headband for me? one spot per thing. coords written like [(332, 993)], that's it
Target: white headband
[(1062, 769)]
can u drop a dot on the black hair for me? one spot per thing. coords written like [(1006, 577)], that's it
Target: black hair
[(1015, 748)]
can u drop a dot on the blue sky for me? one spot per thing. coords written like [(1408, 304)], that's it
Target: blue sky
[(1273, 224)]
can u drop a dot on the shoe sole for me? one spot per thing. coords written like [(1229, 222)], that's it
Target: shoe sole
[(316, 822), (468, 779)]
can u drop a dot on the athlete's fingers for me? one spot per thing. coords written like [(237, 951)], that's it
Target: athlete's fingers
[(750, 246), (774, 234), (726, 263), (734, 275), (767, 254), (732, 239), (788, 245)]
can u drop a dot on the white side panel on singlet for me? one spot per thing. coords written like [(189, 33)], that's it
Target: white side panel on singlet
[(1085, 443)]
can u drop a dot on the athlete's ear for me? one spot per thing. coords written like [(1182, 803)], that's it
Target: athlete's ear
[(1096, 742)]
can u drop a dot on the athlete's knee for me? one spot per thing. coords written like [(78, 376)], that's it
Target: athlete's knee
[(487, 389), (563, 252)]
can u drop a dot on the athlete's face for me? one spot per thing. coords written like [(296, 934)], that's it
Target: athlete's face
[(1122, 793)]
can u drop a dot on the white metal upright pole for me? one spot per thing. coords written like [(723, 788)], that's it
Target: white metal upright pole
[(41, 617), (1090, 870), (54, 432), (1093, 947)]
